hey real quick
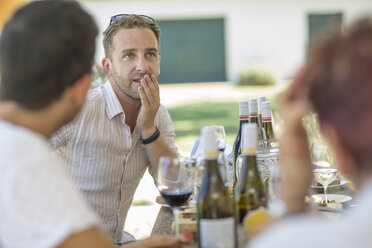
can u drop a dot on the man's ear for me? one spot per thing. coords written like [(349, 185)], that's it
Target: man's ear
[(80, 88), (106, 64)]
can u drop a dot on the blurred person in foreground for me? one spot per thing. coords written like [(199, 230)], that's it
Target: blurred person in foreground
[(122, 129), (46, 55), (337, 85)]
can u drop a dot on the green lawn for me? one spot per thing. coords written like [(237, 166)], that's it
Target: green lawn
[(189, 118)]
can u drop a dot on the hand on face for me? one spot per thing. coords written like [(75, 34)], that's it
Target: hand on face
[(150, 100)]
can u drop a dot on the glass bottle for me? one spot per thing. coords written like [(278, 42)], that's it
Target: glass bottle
[(216, 222), (267, 120), (260, 99), (243, 118), (253, 118), (250, 193)]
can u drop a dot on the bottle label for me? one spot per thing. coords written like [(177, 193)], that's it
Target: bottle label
[(253, 114), (243, 117), (218, 233), (266, 119)]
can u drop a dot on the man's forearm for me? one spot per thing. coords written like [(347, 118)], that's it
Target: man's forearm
[(157, 149)]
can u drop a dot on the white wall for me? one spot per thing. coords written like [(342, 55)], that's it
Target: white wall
[(268, 31)]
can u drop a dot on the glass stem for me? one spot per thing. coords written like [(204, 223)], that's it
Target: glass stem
[(325, 193), (176, 212)]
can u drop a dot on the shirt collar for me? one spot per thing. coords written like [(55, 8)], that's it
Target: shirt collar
[(113, 106)]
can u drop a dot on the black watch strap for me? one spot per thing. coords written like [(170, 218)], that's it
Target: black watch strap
[(152, 138)]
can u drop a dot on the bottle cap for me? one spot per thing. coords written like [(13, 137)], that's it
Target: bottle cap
[(209, 142), (253, 107), (266, 111), (260, 99), (243, 110), (249, 138)]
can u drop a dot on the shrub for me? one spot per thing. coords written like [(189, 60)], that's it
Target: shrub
[(257, 75)]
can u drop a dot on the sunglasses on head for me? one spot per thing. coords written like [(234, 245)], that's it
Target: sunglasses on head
[(117, 18)]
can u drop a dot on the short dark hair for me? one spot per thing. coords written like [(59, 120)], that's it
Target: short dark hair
[(128, 21), (45, 47), (339, 78)]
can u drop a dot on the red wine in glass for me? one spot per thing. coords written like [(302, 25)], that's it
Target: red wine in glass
[(176, 198)]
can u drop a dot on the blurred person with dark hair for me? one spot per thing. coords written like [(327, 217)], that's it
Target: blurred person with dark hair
[(123, 129), (46, 54), (337, 85)]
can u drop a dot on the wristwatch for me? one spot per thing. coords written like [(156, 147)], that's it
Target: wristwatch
[(152, 138)]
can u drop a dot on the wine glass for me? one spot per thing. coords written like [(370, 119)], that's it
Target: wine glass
[(220, 137), (321, 155), (175, 184), (196, 172), (325, 176), (322, 159), (221, 145), (196, 160)]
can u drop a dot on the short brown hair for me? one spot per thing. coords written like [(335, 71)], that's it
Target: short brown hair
[(45, 47), (128, 21), (339, 78)]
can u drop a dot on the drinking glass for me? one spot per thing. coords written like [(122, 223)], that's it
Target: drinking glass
[(321, 155), (195, 160), (322, 159), (175, 184), (325, 176), (221, 145), (191, 166), (220, 137)]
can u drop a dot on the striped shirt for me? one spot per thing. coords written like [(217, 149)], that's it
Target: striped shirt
[(106, 161)]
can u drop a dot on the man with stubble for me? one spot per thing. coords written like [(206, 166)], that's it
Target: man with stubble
[(123, 129)]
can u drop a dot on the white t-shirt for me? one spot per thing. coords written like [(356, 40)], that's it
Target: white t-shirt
[(39, 205), (352, 229)]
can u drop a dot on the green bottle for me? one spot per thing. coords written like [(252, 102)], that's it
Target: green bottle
[(250, 193), (216, 222), (267, 120), (243, 118), (260, 99)]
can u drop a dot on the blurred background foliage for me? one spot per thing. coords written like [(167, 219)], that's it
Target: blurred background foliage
[(256, 74)]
